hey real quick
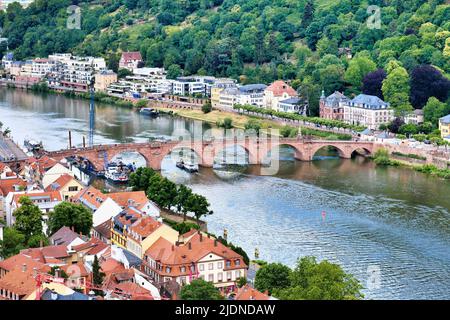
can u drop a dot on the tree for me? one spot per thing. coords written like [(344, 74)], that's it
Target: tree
[(253, 125), (357, 69), (28, 218), (13, 241), (396, 90), (320, 281), (242, 281), (434, 109), (182, 198), (71, 215), (174, 71), (200, 289), (97, 274), (373, 82), (198, 205), (395, 125), (426, 82), (227, 123), (308, 15), (207, 108), (140, 179), (122, 73), (272, 276)]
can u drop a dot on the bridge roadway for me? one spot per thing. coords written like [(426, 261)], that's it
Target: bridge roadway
[(10, 151), (206, 150)]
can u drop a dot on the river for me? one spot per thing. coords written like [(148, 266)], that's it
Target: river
[(390, 227)]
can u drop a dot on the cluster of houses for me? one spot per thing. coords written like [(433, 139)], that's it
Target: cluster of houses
[(68, 72), (140, 255)]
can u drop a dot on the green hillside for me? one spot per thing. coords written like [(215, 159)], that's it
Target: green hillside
[(254, 40)]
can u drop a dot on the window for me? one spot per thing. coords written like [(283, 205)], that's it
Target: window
[(168, 269), (228, 263), (211, 277), (220, 277), (71, 189), (211, 266), (183, 269), (229, 275), (220, 265), (237, 262), (201, 267), (238, 274)]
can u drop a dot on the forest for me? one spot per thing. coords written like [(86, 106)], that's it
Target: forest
[(403, 57)]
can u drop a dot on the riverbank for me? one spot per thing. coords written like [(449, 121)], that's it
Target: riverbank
[(383, 158), (240, 120)]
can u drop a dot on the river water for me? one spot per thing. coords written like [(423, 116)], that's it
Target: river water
[(390, 227)]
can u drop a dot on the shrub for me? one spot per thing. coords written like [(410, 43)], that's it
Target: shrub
[(207, 108)]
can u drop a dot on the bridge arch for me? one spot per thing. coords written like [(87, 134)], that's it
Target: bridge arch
[(343, 152), (114, 154), (298, 153), (365, 150)]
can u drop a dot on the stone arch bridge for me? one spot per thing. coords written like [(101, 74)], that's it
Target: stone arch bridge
[(257, 150)]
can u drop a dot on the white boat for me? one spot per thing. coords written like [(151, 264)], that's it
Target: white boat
[(187, 166), (117, 172)]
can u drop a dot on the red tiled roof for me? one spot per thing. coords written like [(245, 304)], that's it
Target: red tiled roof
[(8, 185), (19, 282), (49, 254), (77, 269), (135, 199), (44, 163), (53, 195), (21, 259), (249, 293), (145, 226), (129, 56), (195, 249), (112, 266), (279, 87), (93, 246), (59, 183), (91, 195)]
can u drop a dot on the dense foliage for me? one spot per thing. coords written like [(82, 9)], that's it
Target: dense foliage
[(309, 280), (200, 289), (168, 195), (306, 41), (67, 214)]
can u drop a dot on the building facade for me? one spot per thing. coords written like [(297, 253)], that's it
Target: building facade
[(332, 107), (368, 111)]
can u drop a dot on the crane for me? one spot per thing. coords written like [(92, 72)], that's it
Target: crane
[(91, 113)]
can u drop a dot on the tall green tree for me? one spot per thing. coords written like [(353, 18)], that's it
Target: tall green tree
[(320, 281), (97, 274), (396, 89), (13, 241), (272, 276), (434, 109), (357, 69), (200, 289), (28, 218), (182, 198), (67, 214)]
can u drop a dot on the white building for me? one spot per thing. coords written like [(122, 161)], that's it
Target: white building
[(276, 92), (193, 85), (46, 201), (293, 105), (252, 94), (368, 111), (41, 67)]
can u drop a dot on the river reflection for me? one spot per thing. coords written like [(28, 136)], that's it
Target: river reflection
[(393, 220)]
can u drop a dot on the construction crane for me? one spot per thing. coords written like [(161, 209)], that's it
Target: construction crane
[(86, 286), (91, 113)]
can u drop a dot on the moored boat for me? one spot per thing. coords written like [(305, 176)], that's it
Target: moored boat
[(187, 166), (149, 112)]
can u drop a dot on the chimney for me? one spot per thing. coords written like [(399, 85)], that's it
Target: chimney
[(34, 272), (173, 248), (201, 237), (190, 246), (41, 243), (215, 243), (24, 267)]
